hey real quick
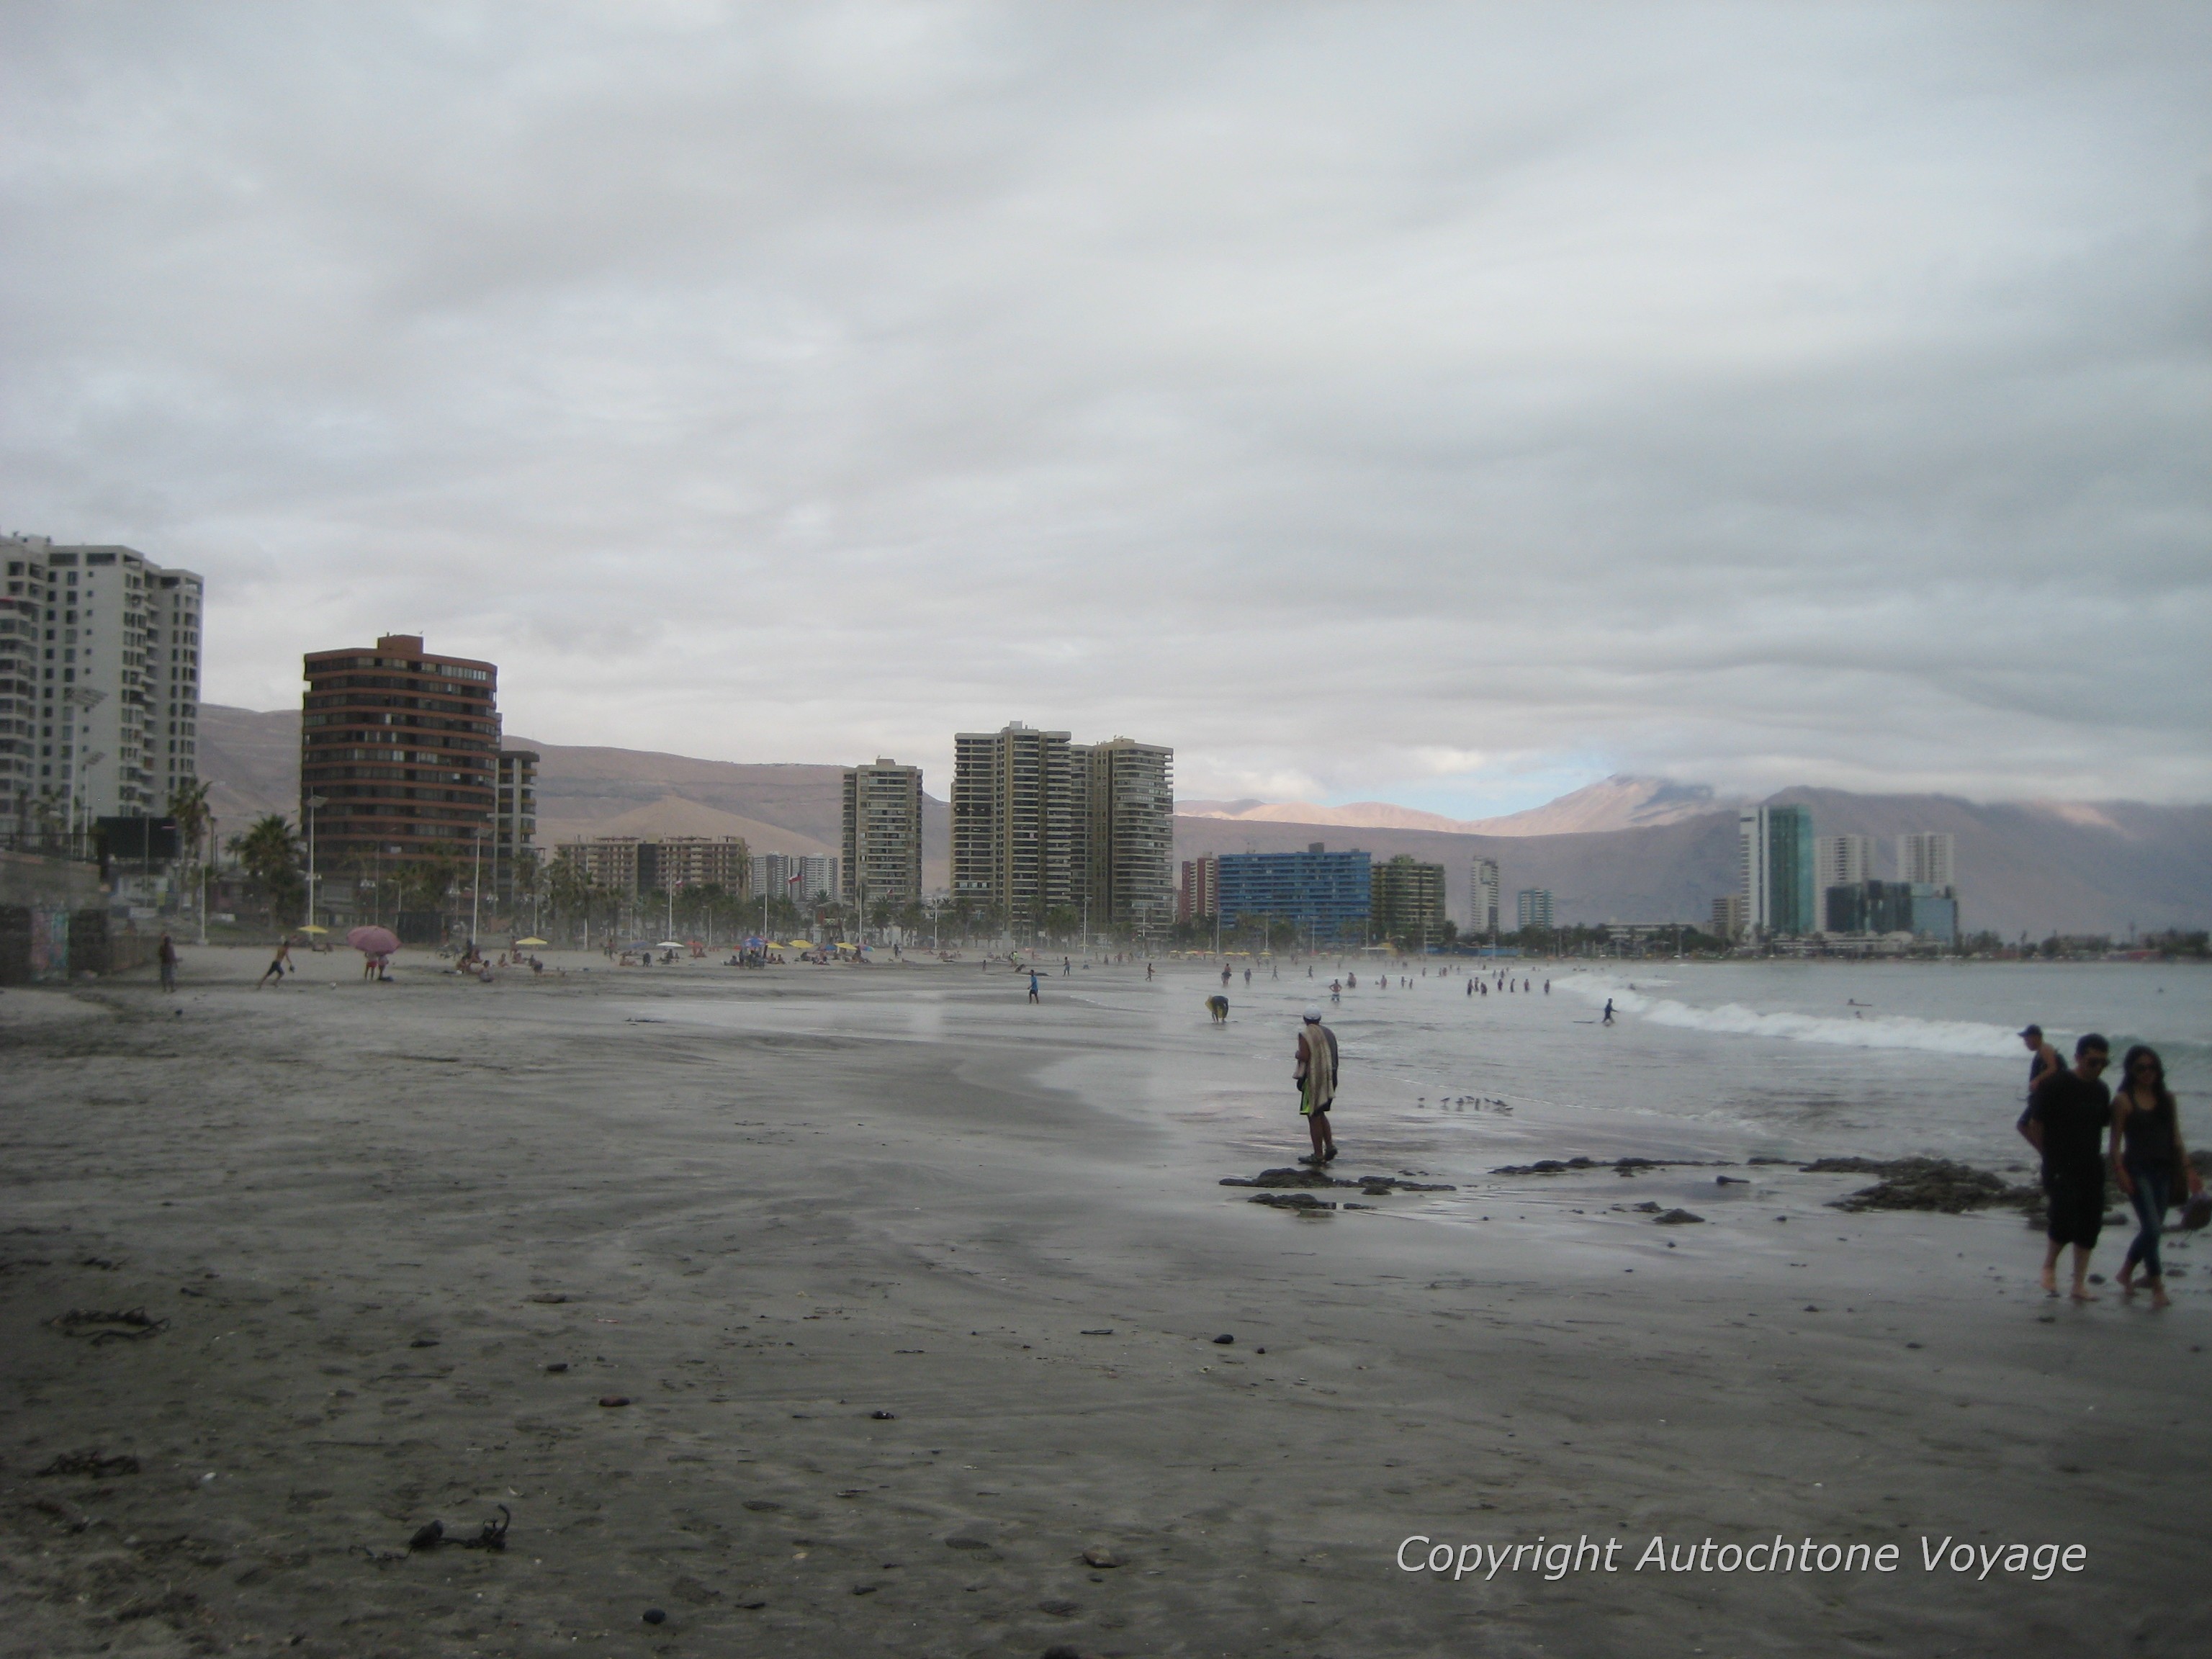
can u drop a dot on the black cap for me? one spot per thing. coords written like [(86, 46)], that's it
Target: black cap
[(2033, 1030)]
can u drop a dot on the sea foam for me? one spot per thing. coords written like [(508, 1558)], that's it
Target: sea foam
[(1935, 1036)]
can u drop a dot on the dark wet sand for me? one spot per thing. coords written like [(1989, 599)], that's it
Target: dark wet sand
[(355, 1206)]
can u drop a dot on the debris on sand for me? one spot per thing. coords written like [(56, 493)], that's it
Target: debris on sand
[(1292, 1200), (492, 1536), (1676, 1218), (92, 1463), (1925, 1183), (1099, 1556), (130, 1325)]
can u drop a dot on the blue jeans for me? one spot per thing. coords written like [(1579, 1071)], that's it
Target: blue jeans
[(2150, 1197)]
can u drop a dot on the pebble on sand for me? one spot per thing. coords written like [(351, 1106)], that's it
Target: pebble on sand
[(614, 1400)]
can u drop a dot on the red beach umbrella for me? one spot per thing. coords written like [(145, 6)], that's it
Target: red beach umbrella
[(373, 941)]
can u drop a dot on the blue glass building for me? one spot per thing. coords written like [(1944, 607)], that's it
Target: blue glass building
[(1326, 894)]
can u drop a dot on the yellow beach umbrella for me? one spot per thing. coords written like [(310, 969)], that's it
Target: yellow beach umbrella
[(311, 928), (529, 941)]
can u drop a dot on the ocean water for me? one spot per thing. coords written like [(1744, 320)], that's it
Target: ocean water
[(1791, 1059), (1720, 1061)]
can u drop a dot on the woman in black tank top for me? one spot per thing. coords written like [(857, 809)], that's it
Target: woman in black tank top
[(2148, 1161)]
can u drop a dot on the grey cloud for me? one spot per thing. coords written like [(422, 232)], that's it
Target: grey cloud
[(1442, 398)]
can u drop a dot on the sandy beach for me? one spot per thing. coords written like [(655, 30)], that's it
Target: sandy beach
[(399, 1245)]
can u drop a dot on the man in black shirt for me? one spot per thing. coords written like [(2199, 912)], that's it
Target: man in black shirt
[(2067, 1114)]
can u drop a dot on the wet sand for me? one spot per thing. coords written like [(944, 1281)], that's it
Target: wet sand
[(374, 1217)]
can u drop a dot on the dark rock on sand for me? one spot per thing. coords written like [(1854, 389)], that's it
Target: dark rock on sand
[(1292, 1200), (655, 1616), (1374, 1186), (1293, 1177), (1224, 1340), (1099, 1556), (1059, 1610), (1925, 1183), (1551, 1166), (1677, 1219)]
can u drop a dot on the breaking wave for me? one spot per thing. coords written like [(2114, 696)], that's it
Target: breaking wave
[(1935, 1037)]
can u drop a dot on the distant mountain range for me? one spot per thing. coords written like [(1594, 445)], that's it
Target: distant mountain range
[(1616, 803), (1626, 849)]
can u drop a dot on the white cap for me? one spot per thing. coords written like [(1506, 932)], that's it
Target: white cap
[(1313, 1016)]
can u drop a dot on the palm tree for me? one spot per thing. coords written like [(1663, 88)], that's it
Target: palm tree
[(271, 852), (188, 807)]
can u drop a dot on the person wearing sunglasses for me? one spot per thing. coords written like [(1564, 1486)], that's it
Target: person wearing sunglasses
[(2148, 1163), (2067, 1117)]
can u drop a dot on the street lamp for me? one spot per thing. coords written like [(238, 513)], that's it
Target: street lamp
[(312, 803)]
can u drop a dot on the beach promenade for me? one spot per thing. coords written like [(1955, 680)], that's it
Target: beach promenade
[(860, 1311)]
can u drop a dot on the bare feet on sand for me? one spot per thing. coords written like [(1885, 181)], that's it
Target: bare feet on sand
[(2050, 1282)]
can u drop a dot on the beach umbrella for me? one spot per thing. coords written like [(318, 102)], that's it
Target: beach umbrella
[(312, 928), (373, 941), (529, 941), (753, 941), (670, 944)]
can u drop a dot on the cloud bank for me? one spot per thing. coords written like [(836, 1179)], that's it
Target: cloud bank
[(1445, 401)]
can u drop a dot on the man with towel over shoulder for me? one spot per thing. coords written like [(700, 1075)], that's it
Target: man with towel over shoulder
[(1317, 1078)]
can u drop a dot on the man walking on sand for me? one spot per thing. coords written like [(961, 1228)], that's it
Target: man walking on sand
[(1317, 1079), (2067, 1117), (166, 955), (1033, 985)]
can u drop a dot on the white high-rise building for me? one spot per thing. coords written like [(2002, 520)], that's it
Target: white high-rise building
[(1841, 861), (1483, 919), (111, 681), (1928, 855), (818, 878)]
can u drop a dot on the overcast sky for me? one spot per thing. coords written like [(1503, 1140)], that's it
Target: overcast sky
[(1448, 405)]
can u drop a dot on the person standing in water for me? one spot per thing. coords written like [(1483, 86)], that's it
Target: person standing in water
[(2043, 1060), (1317, 1078), (2066, 1121), (2148, 1162)]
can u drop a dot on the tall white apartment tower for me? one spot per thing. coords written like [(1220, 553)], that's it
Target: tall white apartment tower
[(117, 667), (1841, 861), (1929, 855), (1485, 919)]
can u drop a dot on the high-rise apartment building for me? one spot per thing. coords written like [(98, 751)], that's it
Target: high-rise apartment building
[(1531, 907), (1727, 920), (1129, 835), (1041, 824), (1776, 876), (1841, 861), (883, 834), (103, 658), (514, 817), (1928, 856), (1011, 823), (633, 864), (1407, 902), (1199, 893), (817, 879), (1327, 897), (402, 747), (1483, 917)]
